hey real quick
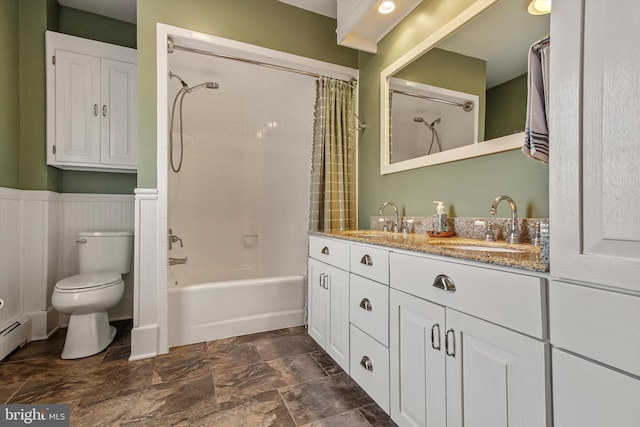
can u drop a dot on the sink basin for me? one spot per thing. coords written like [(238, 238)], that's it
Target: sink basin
[(484, 248)]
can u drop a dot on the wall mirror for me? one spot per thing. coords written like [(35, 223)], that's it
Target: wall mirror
[(475, 67)]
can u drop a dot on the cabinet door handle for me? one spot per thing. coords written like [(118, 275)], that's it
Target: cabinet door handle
[(325, 281), (433, 336), (444, 282), (325, 251), (321, 280), (366, 260), (450, 346), (95, 109), (366, 363), (365, 304), (104, 111)]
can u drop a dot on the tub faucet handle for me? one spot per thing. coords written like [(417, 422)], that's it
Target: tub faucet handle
[(173, 239)]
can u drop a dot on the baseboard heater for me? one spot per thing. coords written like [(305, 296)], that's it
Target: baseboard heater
[(14, 334)]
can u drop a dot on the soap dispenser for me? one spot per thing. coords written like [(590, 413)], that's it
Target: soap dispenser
[(440, 223)]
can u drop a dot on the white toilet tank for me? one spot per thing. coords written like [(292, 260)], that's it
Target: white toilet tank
[(102, 251)]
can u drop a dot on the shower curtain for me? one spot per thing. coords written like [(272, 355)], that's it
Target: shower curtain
[(332, 192)]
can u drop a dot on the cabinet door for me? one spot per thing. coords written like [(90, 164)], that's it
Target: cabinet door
[(338, 317), (593, 198), (417, 364), (317, 302), (495, 377), (77, 105), (586, 394), (119, 113)]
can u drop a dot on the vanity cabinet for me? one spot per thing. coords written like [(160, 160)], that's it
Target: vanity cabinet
[(91, 105), (447, 365), (595, 233), (328, 279)]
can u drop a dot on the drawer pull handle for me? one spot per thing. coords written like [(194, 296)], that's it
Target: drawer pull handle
[(325, 251), (366, 363), (366, 304), (433, 336), (366, 260), (451, 352), (444, 282)]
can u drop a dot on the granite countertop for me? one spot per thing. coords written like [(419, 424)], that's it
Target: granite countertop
[(525, 256)]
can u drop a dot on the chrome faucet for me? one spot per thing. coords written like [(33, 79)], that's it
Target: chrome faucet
[(176, 261), (514, 235), (395, 210), (173, 239)]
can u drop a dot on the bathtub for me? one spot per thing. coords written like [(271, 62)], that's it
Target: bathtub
[(209, 311)]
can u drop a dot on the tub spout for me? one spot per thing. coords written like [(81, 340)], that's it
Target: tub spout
[(176, 261)]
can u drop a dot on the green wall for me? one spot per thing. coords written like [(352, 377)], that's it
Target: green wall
[(10, 99), (266, 23), (507, 108), (468, 186)]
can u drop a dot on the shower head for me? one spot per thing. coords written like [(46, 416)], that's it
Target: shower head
[(206, 85), (435, 122)]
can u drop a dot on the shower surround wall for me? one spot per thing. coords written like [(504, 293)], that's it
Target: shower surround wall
[(240, 201)]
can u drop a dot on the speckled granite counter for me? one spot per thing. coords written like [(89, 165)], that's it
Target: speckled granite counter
[(522, 256)]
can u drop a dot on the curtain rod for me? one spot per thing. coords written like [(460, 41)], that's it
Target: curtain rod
[(171, 47), (467, 106)]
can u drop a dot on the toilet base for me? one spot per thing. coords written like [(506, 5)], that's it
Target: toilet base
[(87, 334)]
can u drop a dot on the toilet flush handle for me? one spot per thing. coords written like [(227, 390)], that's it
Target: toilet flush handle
[(81, 241)]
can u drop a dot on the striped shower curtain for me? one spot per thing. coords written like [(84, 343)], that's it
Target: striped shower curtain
[(332, 192)]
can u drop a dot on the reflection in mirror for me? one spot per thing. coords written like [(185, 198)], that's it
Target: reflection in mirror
[(427, 119), (483, 53)]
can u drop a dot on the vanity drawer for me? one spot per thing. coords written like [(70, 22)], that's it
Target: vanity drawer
[(330, 251), (600, 325), (508, 299), (370, 366), (369, 310), (370, 262)]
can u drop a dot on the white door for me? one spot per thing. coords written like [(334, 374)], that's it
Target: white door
[(495, 377), (586, 394), (595, 163), (317, 302), (416, 355), (77, 105), (118, 113), (338, 316)]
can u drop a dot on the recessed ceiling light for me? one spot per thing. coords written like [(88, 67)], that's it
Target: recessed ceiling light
[(386, 7), (539, 7)]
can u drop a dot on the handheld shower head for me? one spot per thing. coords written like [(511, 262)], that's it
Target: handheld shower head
[(418, 119), (206, 85)]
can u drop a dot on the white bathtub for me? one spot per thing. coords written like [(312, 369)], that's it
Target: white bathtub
[(210, 311)]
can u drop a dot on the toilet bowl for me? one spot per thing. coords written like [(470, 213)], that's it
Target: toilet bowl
[(86, 297)]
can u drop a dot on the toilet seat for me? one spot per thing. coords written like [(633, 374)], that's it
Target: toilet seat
[(88, 282)]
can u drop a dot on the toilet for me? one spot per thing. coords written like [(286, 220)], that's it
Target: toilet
[(103, 256)]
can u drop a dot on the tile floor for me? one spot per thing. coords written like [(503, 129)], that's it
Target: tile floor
[(276, 378)]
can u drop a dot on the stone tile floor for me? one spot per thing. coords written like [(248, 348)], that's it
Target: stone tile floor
[(276, 378)]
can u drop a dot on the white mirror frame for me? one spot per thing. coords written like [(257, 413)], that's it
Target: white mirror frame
[(497, 145)]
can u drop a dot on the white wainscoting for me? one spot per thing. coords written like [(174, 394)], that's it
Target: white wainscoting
[(37, 248), (10, 249), (145, 336)]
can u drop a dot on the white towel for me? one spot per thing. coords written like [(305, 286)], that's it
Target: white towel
[(536, 132)]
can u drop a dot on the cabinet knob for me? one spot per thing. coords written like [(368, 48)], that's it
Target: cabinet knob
[(450, 346), (444, 282), (366, 260), (433, 336), (366, 363), (325, 251), (366, 304)]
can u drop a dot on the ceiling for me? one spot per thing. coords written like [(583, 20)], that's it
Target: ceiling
[(124, 10)]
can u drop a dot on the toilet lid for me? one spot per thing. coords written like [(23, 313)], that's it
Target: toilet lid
[(88, 281)]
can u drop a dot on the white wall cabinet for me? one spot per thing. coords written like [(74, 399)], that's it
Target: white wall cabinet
[(329, 302), (594, 202), (91, 105), (449, 368)]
